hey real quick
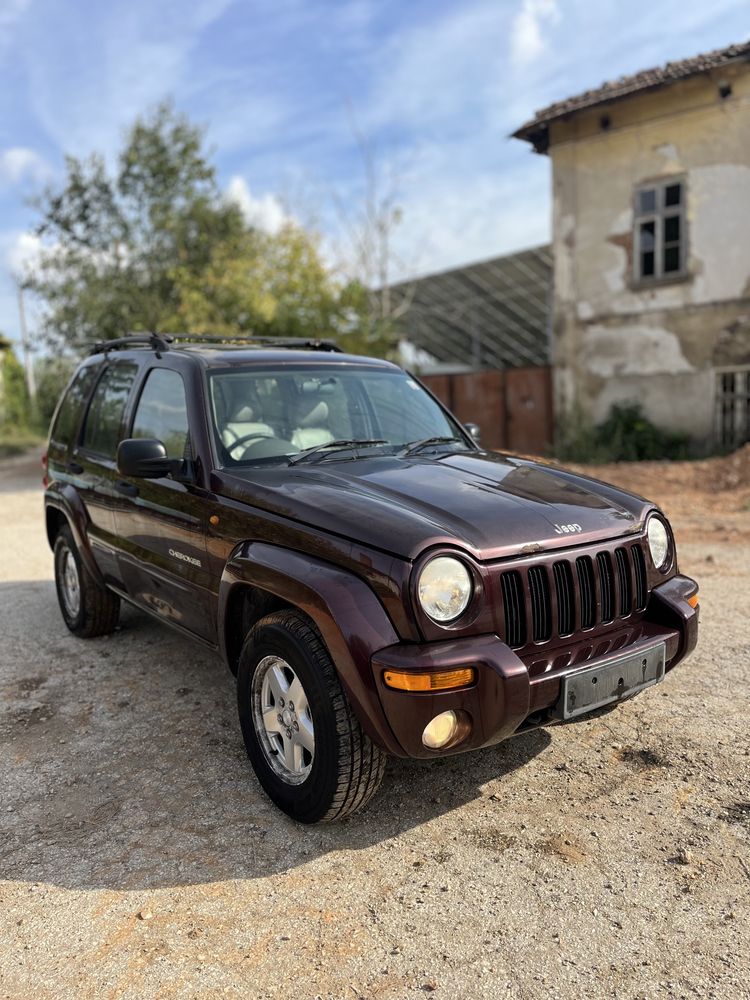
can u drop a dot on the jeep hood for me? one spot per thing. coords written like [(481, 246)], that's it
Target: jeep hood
[(492, 505)]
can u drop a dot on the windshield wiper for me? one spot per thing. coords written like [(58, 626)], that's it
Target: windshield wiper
[(416, 446), (335, 446)]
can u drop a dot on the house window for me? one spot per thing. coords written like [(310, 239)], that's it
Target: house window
[(660, 243)]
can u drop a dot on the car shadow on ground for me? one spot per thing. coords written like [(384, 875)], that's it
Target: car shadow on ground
[(123, 765)]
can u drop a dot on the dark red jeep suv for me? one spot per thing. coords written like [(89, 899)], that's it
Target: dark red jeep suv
[(377, 581)]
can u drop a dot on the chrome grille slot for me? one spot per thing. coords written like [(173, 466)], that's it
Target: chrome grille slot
[(624, 581), (565, 598), (607, 585), (641, 586), (514, 608), (541, 610), (587, 589)]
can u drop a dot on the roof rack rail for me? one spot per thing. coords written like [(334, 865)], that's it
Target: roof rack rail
[(156, 341), (285, 343), (161, 342)]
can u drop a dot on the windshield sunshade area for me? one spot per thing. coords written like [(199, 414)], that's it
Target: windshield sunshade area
[(266, 416)]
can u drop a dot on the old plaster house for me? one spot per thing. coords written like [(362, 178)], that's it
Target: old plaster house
[(651, 245)]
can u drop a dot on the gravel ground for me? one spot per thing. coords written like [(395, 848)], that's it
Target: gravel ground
[(139, 858)]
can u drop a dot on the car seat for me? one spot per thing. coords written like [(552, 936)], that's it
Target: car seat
[(240, 425), (311, 421)]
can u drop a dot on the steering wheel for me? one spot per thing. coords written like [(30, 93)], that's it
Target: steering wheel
[(254, 436)]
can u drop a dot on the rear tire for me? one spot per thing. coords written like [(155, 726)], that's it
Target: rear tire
[(311, 757), (88, 609)]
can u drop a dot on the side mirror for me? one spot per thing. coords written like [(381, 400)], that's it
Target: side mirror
[(475, 431), (144, 458)]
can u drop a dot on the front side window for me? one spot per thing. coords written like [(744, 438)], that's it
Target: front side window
[(101, 432), (162, 412), (67, 418), (660, 243), (264, 415)]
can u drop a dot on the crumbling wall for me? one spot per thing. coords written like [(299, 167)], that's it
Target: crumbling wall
[(615, 339)]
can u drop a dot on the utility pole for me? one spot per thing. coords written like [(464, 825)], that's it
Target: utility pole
[(27, 360)]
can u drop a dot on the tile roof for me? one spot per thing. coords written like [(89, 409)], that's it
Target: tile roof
[(535, 130)]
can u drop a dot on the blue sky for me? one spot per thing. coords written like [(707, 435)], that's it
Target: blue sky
[(435, 86)]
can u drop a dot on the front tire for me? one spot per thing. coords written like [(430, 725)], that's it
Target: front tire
[(88, 609), (304, 741)]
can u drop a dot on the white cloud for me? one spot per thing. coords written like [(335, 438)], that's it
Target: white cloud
[(499, 214), (19, 251), (527, 39), (410, 84), (18, 163), (123, 60), (265, 212)]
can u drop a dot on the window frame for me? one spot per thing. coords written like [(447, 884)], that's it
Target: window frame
[(142, 381), (658, 216), (73, 439), (86, 450)]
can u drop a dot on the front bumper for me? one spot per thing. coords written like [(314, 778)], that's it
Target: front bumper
[(507, 698)]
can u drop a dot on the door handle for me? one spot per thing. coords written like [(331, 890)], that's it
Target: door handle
[(75, 468), (128, 489)]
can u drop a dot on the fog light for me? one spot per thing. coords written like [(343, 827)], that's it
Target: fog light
[(441, 731)]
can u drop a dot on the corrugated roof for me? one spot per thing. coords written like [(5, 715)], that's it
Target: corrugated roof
[(535, 130), (491, 314)]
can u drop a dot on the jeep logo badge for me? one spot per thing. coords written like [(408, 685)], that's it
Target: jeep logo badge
[(567, 529)]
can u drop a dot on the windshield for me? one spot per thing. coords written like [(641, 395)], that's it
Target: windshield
[(267, 416)]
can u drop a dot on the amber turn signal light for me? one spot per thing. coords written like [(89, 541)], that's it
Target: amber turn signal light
[(441, 680), (693, 601)]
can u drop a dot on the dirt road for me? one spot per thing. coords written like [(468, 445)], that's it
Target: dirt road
[(139, 859)]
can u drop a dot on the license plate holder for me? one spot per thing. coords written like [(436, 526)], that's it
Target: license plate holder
[(607, 683)]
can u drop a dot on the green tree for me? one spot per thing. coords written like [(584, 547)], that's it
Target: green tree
[(155, 246), (52, 376), (117, 244), (15, 405)]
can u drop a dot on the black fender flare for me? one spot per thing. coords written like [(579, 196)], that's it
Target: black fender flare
[(346, 612), (64, 498)]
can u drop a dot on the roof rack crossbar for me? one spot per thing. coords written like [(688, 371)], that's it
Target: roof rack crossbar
[(156, 341)]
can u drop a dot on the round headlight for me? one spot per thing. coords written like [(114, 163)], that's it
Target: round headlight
[(658, 542), (444, 588)]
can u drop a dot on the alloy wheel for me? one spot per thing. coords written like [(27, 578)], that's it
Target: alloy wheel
[(282, 720)]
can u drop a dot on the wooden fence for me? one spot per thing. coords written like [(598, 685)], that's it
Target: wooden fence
[(513, 406)]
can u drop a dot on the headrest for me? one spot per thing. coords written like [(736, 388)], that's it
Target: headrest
[(314, 385), (314, 415), (242, 415)]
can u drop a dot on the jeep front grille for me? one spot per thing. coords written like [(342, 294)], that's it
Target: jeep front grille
[(559, 598)]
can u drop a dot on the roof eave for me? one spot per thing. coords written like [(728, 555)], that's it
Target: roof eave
[(536, 131)]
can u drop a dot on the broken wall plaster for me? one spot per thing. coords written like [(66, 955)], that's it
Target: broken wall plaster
[(610, 352)]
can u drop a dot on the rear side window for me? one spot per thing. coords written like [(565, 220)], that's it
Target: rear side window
[(162, 412), (68, 417), (101, 433)]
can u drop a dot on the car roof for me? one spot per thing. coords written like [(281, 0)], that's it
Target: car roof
[(229, 356), (238, 355)]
